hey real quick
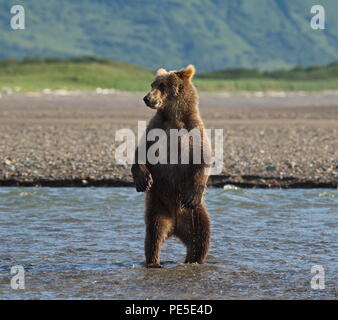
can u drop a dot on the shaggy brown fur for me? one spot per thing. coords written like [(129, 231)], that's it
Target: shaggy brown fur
[(174, 200)]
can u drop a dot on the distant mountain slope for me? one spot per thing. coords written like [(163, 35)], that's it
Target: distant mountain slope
[(213, 34)]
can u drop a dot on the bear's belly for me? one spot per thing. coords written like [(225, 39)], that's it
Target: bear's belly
[(170, 176)]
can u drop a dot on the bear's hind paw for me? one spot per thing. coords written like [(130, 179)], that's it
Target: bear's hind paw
[(154, 265)]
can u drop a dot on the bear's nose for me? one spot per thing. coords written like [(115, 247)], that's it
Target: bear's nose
[(146, 100)]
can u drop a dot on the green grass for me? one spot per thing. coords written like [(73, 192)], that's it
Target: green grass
[(75, 76), (216, 85), (32, 74)]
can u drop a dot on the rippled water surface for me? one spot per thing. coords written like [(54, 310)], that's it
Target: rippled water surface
[(88, 243)]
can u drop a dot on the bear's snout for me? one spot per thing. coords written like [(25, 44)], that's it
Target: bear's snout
[(150, 101), (146, 100)]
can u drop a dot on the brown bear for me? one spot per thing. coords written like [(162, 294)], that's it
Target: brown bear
[(174, 192)]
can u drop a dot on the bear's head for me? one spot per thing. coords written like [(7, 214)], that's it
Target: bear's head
[(170, 87)]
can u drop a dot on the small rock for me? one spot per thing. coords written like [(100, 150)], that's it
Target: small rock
[(271, 168)]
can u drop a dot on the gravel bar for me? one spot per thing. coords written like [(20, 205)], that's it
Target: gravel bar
[(271, 140)]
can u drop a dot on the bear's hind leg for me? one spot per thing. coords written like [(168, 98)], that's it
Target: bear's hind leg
[(193, 228), (159, 226)]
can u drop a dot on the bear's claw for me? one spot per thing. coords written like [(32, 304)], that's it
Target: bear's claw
[(144, 184), (154, 265)]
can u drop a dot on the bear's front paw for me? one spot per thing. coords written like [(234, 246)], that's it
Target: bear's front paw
[(144, 182), (191, 201)]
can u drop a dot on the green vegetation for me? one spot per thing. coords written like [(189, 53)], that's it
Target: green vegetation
[(316, 72), (212, 34), (33, 74), (214, 85), (314, 78), (89, 73)]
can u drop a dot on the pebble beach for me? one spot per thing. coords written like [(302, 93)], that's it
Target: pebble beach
[(271, 140)]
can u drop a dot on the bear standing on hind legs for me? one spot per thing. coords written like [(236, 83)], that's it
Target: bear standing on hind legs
[(174, 191)]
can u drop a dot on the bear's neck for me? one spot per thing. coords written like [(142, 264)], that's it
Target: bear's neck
[(181, 113)]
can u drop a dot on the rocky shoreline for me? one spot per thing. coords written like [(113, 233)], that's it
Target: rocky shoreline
[(270, 141), (220, 181)]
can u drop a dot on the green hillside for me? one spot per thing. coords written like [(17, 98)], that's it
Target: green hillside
[(212, 34), (316, 72), (88, 73), (73, 74)]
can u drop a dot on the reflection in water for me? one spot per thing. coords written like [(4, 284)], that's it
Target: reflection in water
[(88, 243)]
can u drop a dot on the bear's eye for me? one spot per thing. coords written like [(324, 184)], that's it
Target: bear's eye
[(161, 86)]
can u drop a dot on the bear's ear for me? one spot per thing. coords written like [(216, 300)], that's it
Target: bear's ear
[(161, 72), (187, 73)]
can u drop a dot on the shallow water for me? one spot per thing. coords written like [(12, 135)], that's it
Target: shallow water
[(88, 243)]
